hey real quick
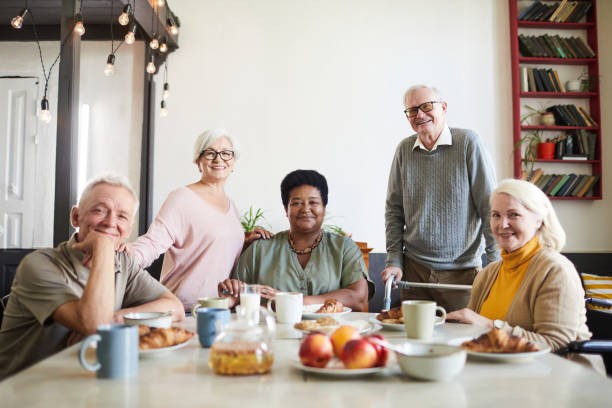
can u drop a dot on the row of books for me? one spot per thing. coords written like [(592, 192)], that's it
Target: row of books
[(554, 46), (578, 145), (540, 80), (571, 115), (564, 185), (560, 12)]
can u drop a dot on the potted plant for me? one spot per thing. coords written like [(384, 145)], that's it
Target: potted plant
[(251, 219), (544, 117)]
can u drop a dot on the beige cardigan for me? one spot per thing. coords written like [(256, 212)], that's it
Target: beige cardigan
[(548, 307)]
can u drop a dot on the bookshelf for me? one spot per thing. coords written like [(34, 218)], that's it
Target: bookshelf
[(585, 28)]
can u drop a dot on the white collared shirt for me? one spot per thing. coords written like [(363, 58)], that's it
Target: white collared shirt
[(444, 139)]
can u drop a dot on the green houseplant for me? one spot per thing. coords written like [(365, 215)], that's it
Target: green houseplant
[(252, 218)]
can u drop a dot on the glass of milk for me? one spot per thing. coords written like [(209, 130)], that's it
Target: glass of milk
[(250, 298)]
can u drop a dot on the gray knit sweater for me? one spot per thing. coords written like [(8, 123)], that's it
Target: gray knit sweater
[(438, 204)]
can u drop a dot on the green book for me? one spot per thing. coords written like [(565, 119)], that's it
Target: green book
[(559, 185)]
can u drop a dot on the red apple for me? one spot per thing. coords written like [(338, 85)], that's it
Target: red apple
[(359, 354), (341, 336), (381, 352), (316, 350)]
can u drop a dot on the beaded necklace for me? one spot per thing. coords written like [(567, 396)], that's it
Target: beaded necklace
[(306, 250)]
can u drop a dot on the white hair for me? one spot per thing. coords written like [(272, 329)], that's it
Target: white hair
[(112, 179), (551, 233), (208, 137), (435, 91)]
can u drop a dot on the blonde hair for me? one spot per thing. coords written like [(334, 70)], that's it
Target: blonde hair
[(551, 233), (208, 137)]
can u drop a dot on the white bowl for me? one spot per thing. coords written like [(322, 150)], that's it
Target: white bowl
[(432, 362), (152, 319)]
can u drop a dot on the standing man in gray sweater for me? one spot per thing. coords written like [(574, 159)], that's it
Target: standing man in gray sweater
[(437, 210)]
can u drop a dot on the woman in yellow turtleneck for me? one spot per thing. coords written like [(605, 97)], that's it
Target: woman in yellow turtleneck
[(534, 291)]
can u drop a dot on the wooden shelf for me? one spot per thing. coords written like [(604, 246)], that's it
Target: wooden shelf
[(558, 94), (559, 26), (557, 61), (539, 127), (591, 99)]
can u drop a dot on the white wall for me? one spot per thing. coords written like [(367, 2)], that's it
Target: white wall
[(22, 59), (115, 127), (319, 85)]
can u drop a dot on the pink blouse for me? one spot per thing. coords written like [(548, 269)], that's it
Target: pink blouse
[(201, 245)]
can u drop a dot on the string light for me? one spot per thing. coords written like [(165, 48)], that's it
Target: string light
[(163, 112), (163, 47), (166, 92), (124, 18), (44, 116), (154, 43), (172, 28), (130, 37), (79, 28), (160, 3), (17, 21), (110, 65), (151, 66)]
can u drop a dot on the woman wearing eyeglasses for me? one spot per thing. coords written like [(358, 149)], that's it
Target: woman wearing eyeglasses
[(198, 226)]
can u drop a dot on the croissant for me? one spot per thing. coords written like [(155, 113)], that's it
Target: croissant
[(499, 341), (395, 313), (331, 306), (157, 338)]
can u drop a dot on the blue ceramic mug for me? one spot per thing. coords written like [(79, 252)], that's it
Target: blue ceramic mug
[(117, 351), (210, 322)]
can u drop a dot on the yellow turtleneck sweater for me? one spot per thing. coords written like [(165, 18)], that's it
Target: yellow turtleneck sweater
[(508, 280)]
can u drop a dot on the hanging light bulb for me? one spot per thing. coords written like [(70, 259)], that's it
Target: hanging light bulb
[(17, 21), (163, 47), (130, 37), (151, 66), (124, 18), (110, 65), (173, 29), (154, 43), (79, 28), (166, 92), (163, 112), (44, 116), (160, 3)]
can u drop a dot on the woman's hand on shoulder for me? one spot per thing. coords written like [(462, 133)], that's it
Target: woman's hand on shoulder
[(257, 233), (469, 316)]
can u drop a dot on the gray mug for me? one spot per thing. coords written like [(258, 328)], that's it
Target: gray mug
[(117, 351)]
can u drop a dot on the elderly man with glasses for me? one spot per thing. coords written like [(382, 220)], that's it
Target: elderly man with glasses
[(437, 209)]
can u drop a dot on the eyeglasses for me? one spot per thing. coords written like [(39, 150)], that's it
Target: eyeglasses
[(425, 107), (211, 155)]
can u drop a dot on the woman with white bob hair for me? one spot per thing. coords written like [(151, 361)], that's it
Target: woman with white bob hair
[(198, 226), (534, 291)]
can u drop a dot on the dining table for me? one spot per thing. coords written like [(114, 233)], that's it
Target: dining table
[(182, 377)]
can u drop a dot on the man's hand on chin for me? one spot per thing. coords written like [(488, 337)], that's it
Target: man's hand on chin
[(95, 242)]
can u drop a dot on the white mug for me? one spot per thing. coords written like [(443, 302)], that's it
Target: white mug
[(420, 318), (288, 307)]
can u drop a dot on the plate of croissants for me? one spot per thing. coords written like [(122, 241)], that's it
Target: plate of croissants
[(154, 341), (499, 345), (391, 319), (331, 308)]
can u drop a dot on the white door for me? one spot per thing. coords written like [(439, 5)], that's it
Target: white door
[(18, 125)]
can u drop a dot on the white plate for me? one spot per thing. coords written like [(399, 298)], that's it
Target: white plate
[(364, 327), (162, 350), (335, 368), (308, 312), (502, 357), (388, 326)]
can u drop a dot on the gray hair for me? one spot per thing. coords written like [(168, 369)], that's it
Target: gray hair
[(210, 136), (435, 91), (551, 233), (113, 180)]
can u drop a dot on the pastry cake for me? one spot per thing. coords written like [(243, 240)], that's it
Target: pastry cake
[(158, 338), (499, 341), (320, 323), (391, 316), (331, 306)]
